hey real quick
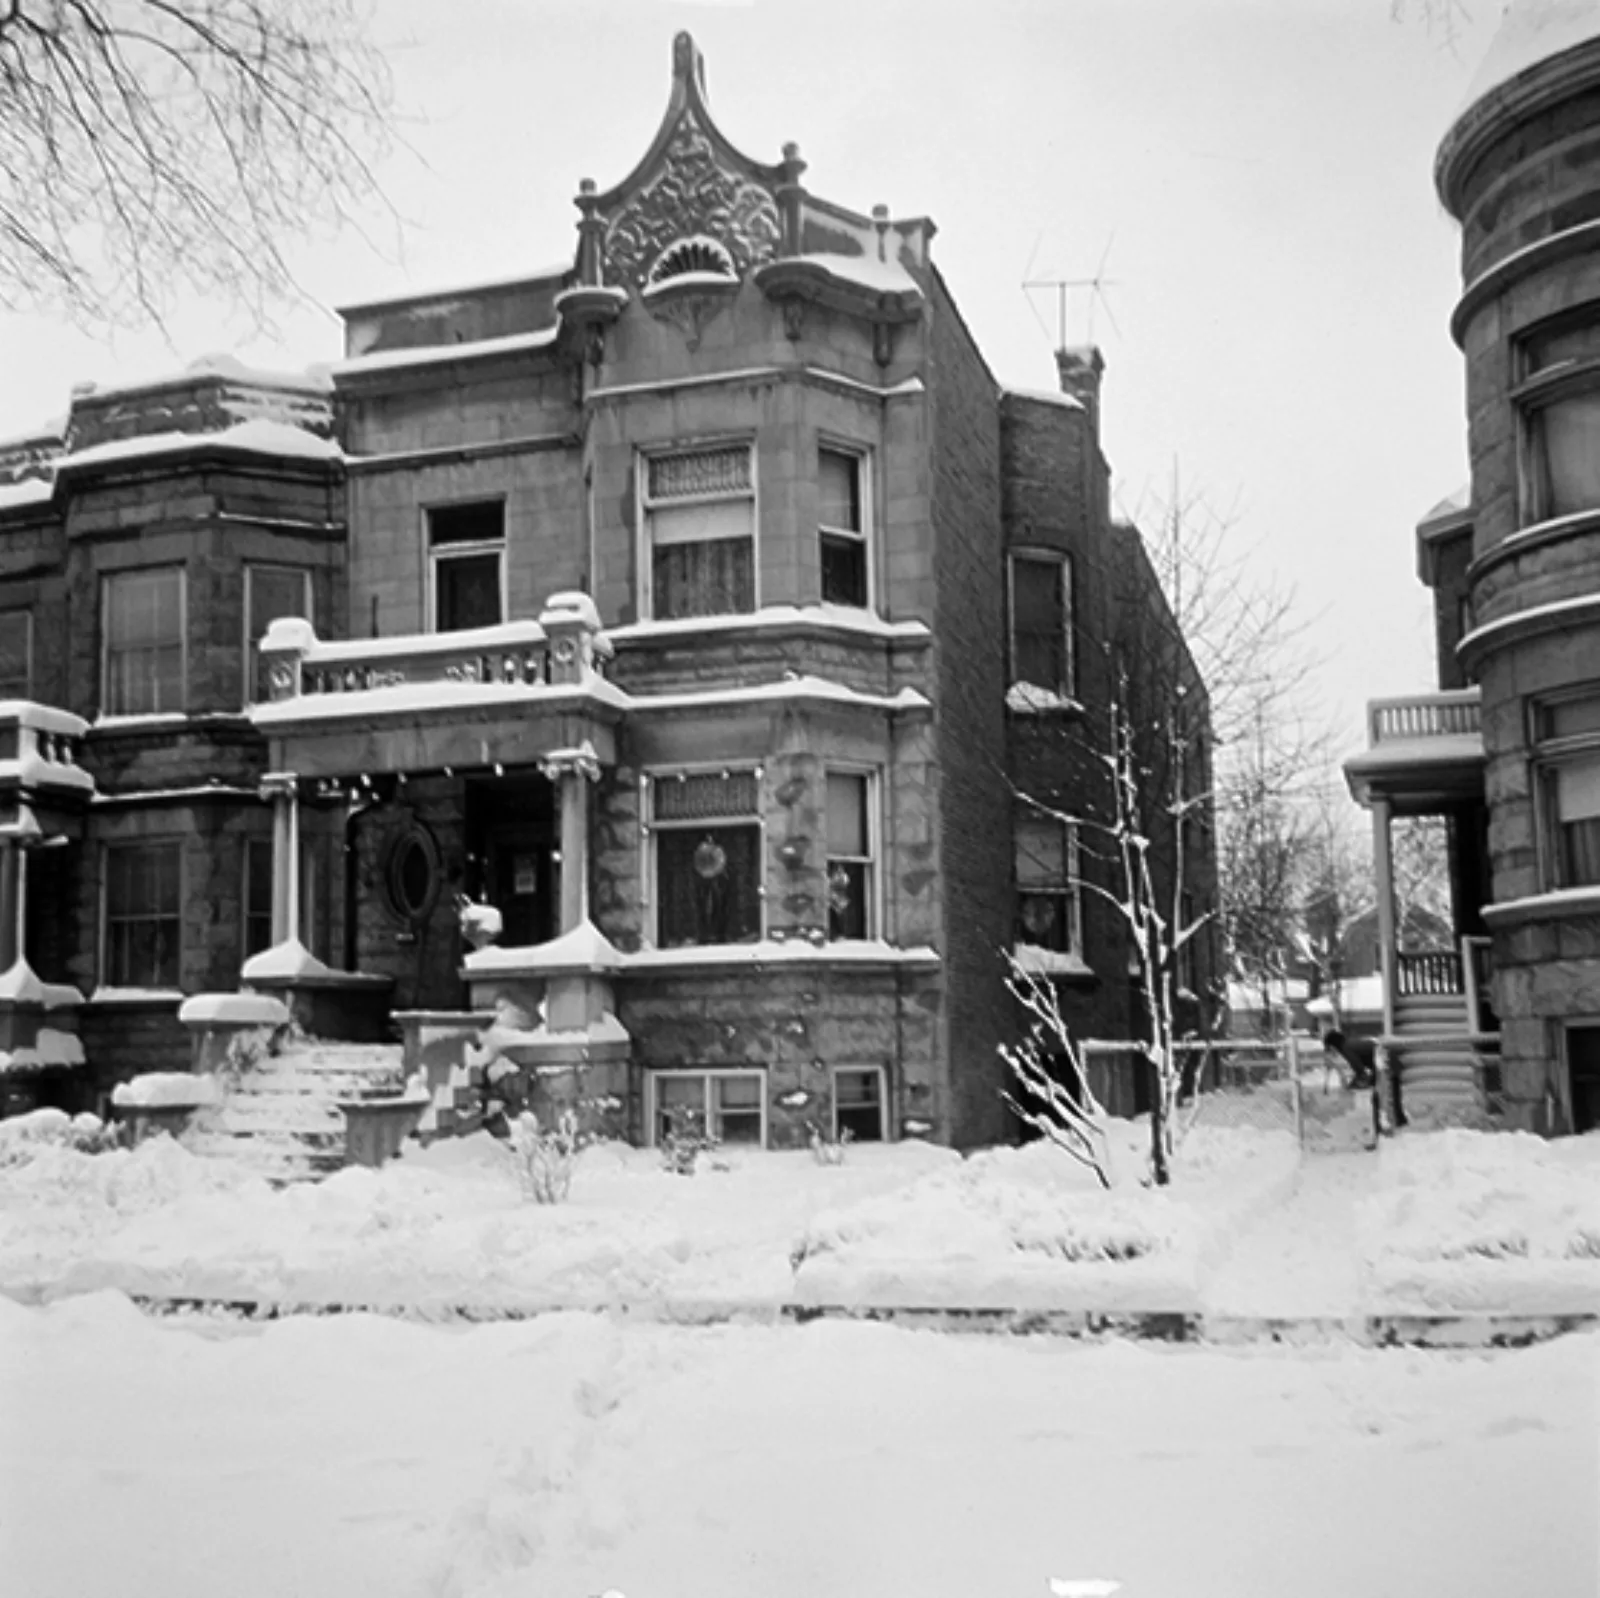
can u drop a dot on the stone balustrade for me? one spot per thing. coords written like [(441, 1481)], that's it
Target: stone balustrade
[(1445, 714)]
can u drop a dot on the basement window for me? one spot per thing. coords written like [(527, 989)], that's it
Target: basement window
[(730, 1106)]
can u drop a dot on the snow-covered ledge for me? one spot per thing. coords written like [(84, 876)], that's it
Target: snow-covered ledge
[(349, 1005), (215, 1020), (38, 1021)]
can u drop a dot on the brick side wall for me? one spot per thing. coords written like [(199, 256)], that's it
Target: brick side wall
[(973, 799)]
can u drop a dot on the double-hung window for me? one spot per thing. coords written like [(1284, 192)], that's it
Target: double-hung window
[(858, 1102), (700, 531), (842, 528), (705, 831), (142, 641), (1558, 404), (1041, 622), (143, 941), (467, 565), (850, 856), (729, 1106), (1567, 752), (269, 592), (16, 654), (1049, 900)]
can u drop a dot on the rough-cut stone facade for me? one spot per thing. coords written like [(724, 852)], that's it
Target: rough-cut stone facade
[(713, 302)]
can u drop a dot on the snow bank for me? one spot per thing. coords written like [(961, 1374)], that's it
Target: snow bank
[(1029, 1228), (1475, 1221), (157, 1090)]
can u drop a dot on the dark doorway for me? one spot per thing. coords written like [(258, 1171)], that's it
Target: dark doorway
[(512, 843)]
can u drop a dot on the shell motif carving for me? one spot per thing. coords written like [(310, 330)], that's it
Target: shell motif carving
[(691, 194)]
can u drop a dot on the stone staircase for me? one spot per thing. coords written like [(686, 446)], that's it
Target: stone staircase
[(282, 1116), (1436, 1077)]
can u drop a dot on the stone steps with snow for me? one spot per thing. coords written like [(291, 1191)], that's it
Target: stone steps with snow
[(282, 1115)]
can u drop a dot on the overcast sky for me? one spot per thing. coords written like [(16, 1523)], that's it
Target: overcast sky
[(1260, 170)]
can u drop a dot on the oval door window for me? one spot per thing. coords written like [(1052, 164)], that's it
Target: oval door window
[(413, 874)]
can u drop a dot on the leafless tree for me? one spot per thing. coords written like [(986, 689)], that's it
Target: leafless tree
[(157, 149)]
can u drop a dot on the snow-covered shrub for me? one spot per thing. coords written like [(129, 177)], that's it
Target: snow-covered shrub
[(543, 1156), (164, 1090), (685, 1140), (826, 1149), (23, 1136)]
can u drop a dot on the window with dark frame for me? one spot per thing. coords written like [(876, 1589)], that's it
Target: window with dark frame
[(269, 592), (705, 830), (143, 922), (728, 1105), (849, 863), (142, 641), (699, 516), (1583, 1075), (16, 654), (858, 1106), (257, 895), (1049, 914), (1558, 405), (1567, 757), (842, 528), (466, 552), (1041, 623)]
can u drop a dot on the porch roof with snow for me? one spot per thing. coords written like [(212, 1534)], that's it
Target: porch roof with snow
[(1424, 753)]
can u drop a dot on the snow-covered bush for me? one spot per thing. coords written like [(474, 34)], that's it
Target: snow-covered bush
[(685, 1140), (22, 1136), (543, 1156), (165, 1090)]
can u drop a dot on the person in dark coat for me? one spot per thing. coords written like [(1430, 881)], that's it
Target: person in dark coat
[(1356, 1056)]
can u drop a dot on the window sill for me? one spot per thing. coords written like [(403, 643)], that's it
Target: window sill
[(147, 998), (1061, 965), (1024, 699), (768, 952)]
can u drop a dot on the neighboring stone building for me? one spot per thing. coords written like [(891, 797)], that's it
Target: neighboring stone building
[(652, 645), (1509, 748)]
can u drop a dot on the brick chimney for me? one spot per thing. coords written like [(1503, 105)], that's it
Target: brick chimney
[(1081, 369)]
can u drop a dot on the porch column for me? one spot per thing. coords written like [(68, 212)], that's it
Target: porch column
[(283, 788), (1383, 862), (572, 770)]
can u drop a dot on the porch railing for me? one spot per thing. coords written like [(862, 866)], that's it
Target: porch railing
[(1450, 714), (40, 746), (1428, 971)]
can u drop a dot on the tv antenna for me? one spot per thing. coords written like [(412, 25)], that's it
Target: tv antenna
[(1096, 285)]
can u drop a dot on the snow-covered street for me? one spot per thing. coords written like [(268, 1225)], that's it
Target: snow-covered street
[(354, 1455)]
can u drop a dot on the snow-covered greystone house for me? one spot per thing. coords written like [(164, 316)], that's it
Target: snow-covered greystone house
[(617, 671), (1506, 1016)]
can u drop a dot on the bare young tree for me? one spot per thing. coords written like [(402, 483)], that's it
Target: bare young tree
[(153, 149)]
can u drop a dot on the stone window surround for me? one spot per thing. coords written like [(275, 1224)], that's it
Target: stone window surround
[(1550, 754), (110, 582), (873, 801), (707, 1075), (645, 566), (252, 643), (438, 553), (882, 1076), (860, 456), (167, 846), (650, 827), (1062, 559)]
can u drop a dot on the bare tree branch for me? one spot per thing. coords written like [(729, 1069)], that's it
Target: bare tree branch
[(152, 151)]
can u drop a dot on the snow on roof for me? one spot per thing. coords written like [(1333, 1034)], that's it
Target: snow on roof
[(803, 687), (584, 948), (215, 365), (840, 618), (1531, 32), (1451, 505), (791, 951), (457, 291), (885, 276), (435, 695), (260, 436), (1047, 396), (33, 491), (438, 354)]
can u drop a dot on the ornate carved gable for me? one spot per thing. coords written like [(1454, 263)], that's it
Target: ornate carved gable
[(691, 186)]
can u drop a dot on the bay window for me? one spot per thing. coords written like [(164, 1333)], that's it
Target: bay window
[(1558, 405), (699, 519), (842, 528), (269, 592), (142, 932), (1567, 757), (850, 852), (705, 834), (142, 641)]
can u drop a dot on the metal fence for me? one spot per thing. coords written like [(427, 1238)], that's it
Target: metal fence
[(1270, 1084)]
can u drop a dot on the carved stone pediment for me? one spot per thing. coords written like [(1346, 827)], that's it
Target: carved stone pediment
[(693, 192)]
